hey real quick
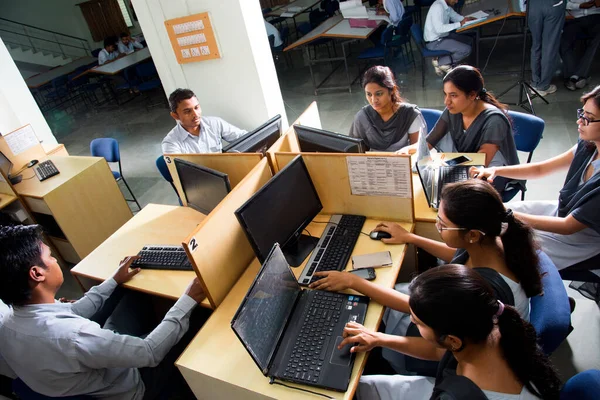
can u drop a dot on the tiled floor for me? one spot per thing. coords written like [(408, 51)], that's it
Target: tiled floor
[(140, 132)]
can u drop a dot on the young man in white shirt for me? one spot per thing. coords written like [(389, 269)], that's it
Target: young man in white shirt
[(58, 351), (127, 45), (440, 22), (109, 52), (271, 30), (195, 133), (586, 24)]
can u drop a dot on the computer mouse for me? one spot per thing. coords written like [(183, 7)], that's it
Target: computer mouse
[(378, 235), (32, 163)]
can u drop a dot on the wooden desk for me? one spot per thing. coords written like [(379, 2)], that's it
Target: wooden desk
[(115, 67), (154, 224), (6, 199), (80, 207), (41, 79), (216, 365)]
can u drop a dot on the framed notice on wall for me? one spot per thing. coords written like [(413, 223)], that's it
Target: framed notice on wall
[(192, 38)]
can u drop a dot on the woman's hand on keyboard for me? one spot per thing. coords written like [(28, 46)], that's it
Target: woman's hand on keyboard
[(333, 281), (361, 338), (399, 234), (123, 273)]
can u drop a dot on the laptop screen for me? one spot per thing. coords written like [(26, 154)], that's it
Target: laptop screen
[(426, 171), (262, 316)]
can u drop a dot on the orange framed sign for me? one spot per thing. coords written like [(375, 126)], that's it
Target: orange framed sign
[(192, 38)]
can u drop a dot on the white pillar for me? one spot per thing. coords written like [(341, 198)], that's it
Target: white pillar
[(241, 86), (17, 105)]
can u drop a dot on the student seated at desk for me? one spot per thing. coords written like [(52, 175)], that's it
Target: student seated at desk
[(57, 351), (474, 336), (440, 22), (127, 45), (109, 52), (195, 133), (395, 9), (271, 30), (387, 123), (477, 231), (568, 229)]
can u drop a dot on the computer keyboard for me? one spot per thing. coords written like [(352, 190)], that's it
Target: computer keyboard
[(163, 257), (45, 170), (335, 246), (320, 318), (453, 174)]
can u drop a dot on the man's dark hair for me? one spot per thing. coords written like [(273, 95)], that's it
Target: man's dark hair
[(178, 96), (20, 249), (111, 40), (124, 34)]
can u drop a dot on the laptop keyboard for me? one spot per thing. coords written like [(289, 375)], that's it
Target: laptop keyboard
[(45, 170), (453, 174), (320, 318), (163, 257)]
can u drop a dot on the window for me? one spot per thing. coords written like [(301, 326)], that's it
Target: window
[(125, 13)]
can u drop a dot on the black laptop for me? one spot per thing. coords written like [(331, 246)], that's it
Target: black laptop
[(434, 176), (292, 334)]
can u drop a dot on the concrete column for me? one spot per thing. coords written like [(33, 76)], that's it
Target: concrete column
[(241, 86)]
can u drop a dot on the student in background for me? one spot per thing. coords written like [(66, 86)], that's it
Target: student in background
[(395, 9), (109, 52), (568, 229), (271, 30), (387, 123), (475, 336), (195, 133), (128, 45), (57, 351), (586, 24), (440, 22)]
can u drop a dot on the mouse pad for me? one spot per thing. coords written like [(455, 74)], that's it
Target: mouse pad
[(343, 356)]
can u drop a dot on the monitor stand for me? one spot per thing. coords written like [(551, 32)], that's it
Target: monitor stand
[(15, 179), (296, 251)]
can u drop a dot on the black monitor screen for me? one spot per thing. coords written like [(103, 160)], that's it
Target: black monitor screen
[(5, 164), (262, 316), (203, 187), (318, 140), (259, 140), (281, 209)]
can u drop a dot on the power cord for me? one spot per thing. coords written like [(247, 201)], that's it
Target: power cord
[(273, 382), (333, 223), (495, 41)]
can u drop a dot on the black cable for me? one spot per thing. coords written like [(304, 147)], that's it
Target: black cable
[(333, 223), (272, 382), (495, 42)]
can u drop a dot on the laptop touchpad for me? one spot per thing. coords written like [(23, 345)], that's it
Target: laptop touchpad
[(343, 356)]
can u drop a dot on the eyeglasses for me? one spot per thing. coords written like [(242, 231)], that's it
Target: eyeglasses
[(439, 225), (586, 120)]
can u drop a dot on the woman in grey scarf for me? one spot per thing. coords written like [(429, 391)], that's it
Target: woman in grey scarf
[(387, 123)]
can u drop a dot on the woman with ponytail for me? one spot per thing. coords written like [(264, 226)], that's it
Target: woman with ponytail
[(487, 350), (387, 123)]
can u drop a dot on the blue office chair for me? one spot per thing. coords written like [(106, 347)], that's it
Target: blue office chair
[(382, 49), (527, 130), (401, 40), (164, 171), (417, 34), (550, 313), (24, 392), (583, 386), (95, 53), (431, 117), (109, 149), (149, 80)]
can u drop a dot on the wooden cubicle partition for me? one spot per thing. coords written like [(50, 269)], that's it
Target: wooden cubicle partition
[(7, 194), (235, 165), (329, 173), (218, 246)]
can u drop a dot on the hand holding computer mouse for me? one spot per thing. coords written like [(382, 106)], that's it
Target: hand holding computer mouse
[(397, 234)]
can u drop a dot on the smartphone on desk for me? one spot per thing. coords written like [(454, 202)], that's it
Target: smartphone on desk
[(365, 273), (457, 161)]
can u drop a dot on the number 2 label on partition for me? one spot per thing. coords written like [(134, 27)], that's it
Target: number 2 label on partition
[(193, 245)]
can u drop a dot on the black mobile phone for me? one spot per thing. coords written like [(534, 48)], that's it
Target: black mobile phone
[(365, 273), (457, 161)]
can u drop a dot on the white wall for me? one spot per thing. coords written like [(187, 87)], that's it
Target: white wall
[(17, 105), (242, 86)]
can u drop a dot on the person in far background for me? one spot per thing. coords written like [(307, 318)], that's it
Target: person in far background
[(109, 52), (546, 20), (271, 30), (586, 24), (395, 9), (127, 45)]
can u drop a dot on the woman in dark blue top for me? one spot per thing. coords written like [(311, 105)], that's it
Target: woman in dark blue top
[(568, 228)]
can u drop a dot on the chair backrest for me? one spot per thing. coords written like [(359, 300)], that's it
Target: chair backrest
[(24, 392), (316, 17), (431, 117), (417, 34), (387, 35), (163, 169), (583, 386), (551, 313), (527, 129), (271, 41), (95, 52), (284, 34), (403, 27), (107, 148), (146, 70)]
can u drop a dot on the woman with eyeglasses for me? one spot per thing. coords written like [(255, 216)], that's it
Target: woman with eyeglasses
[(568, 229), (477, 231)]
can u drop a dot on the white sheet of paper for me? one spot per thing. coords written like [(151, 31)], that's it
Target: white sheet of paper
[(355, 12), (288, 14), (21, 140), (478, 15), (379, 176)]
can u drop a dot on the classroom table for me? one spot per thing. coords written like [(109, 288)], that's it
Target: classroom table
[(217, 366), (115, 67), (298, 7), (39, 80)]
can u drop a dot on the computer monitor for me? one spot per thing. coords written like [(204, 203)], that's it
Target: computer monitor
[(279, 212), (203, 187), (318, 140), (259, 140), (6, 167)]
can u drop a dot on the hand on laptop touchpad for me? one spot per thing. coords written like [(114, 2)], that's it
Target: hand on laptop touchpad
[(343, 356)]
